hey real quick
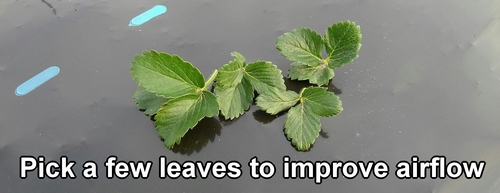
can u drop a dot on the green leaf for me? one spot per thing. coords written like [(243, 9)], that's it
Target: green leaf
[(180, 114), (301, 45), (302, 126), (304, 46), (230, 74), (149, 102), (239, 58), (276, 100), (166, 75), (264, 75), (342, 42), (236, 80), (234, 93), (321, 102), (234, 101), (319, 75)]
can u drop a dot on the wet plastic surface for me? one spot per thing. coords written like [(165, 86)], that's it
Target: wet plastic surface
[(425, 84)]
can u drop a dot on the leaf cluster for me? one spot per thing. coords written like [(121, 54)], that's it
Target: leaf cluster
[(176, 94)]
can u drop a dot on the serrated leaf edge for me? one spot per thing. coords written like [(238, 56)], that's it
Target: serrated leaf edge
[(308, 145), (282, 81), (320, 59), (358, 29), (158, 53), (142, 109), (258, 100), (244, 109), (312, 81), (329, 92), (177, 142)]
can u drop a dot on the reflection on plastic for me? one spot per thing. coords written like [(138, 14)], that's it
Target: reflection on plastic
[(148, 15), (37, 80)]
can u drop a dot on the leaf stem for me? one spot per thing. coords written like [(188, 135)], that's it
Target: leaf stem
[(300, 94), (301, 91), (211, 79)]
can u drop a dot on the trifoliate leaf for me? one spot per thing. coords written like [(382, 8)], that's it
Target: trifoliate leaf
[(276, 100), (301, 45), (264, 75), (304, 47), (149, 102), (234, 101), (236, 80), (166, 75), (302, 126), (321, 102), (342, 42), (180, 114), (319, 75)]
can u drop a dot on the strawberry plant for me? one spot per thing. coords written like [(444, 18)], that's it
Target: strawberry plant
[(176, 93)]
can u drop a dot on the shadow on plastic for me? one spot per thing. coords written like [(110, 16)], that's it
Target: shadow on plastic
[(199, 137)]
